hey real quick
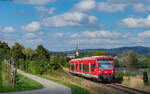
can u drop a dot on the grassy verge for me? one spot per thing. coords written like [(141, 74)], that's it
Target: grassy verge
[(75, 89), (23, 83), (79, 85)]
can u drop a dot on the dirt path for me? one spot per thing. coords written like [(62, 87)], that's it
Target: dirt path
[(49, 86)]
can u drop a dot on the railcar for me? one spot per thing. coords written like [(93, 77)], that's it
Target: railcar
[(101, 68)]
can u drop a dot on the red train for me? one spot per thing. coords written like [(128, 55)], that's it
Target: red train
[(101, 68)]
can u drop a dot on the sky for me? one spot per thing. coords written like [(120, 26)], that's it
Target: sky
[(60, 24)]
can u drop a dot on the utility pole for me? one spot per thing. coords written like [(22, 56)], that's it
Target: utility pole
[(77, 52)]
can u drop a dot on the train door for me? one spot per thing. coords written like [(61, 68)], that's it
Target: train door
[(89, 68), (92, 67), (75, 65), (81, 68)]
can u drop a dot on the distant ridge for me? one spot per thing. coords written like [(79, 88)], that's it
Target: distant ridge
[(136, 49)]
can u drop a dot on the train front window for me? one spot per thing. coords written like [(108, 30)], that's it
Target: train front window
[(105, 64)]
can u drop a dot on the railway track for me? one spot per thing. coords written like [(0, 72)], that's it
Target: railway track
[(125, 89)]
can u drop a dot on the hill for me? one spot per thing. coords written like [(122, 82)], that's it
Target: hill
[(136, 49)]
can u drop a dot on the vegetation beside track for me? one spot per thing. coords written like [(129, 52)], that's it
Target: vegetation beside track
[(74, 88), (80, 83), (23, 83)]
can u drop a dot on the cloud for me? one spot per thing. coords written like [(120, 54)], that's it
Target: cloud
[(131, 22), (145, 34), (128, 1), (109, 7), (140, 7), (88, 34), (71, 19), (7, 29), (44, 10), (34, 2), (30, 35), (85, 5), (32, 27)]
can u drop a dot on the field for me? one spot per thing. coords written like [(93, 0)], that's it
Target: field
[(22, 84), (135, 82), (91, 86)]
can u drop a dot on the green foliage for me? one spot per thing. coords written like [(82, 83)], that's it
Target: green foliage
[(128, 59), (16, 52), (132, 59), (42, 53), (29, 53), (75, 89), (0, 76), (23, 83), (121, 74), (99, 53), (145, 78), (4, 51)]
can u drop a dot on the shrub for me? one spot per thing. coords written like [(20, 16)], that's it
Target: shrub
[(145, 78)]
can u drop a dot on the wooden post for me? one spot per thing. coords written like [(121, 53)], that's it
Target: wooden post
[(12, 72)]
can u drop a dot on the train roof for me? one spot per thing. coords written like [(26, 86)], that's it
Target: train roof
[(88, 58)]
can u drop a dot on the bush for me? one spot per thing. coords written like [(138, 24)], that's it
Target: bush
[(145, 78), (0, 77)]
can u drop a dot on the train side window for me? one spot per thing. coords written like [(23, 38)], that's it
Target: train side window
[(76, 66), (72, 67), (92, 67), (86, 68), (80, 66)]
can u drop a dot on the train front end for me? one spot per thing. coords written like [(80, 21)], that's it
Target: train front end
[(106, 68)]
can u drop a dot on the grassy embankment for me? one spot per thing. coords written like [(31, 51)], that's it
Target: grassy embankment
[(79, 85), (23, 83), (134, 81)]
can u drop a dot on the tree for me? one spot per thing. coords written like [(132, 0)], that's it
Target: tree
[(99, 53), (128, 59), (4, 51), (42, 53), (132, 60), (17, 53), (145, 78), (29, 53)]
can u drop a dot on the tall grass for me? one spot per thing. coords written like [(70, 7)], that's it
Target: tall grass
[(23, 83), (0, 77), (75, 89)]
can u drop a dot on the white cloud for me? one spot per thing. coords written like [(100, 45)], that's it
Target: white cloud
[(58, 35), (144, 34), (32, 27), (110, 7), (71, 19), (30, 35), (131, 22), (45, 10), (100, 34), (34, 2), (140, 7), (7, 29), (85, 5)]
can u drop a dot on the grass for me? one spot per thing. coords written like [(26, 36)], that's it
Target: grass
[(23, 83), (79, 85), (75, 89), (135, 82)]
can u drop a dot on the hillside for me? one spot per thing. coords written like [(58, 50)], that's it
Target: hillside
[(136, 49)]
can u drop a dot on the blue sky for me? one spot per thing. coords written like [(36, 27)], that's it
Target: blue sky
[(59, 24)]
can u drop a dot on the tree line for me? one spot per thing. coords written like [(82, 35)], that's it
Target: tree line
[(37, 61)]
